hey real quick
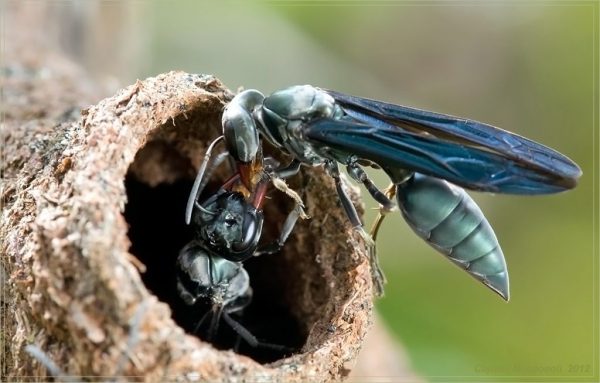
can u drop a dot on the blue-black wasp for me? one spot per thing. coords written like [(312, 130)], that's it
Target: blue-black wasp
[(428, 156)]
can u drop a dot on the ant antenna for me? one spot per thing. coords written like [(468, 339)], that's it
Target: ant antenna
[(198, 181)]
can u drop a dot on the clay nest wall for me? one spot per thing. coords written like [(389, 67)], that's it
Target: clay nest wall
[(93, 208)]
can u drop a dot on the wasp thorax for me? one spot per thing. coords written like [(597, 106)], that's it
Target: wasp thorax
[(300, 102)]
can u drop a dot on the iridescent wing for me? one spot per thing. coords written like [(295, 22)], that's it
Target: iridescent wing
[(467, 153)]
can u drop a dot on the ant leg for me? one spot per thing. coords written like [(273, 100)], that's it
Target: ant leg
[(201, 321), (198, 181), (238, 343), (132, 339), (52, 368), (249, 338), (376, 272), (217, 313), (221, 157)]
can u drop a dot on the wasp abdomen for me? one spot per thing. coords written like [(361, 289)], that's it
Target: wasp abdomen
[(447, 218)]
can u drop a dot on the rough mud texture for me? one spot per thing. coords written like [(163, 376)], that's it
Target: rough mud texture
[(74, 289)]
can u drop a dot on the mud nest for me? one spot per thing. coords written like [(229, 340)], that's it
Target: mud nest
[(92, 225)]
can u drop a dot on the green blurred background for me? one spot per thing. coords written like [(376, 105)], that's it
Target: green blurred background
[(530, 67)]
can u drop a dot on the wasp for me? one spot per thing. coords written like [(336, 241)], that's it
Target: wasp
[(429, 158)]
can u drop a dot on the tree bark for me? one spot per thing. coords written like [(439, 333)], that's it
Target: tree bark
[(75, 214), (73, 288)]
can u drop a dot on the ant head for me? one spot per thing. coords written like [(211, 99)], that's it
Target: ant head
[(230, 225)]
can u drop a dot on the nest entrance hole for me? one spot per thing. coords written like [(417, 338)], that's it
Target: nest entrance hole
[(158, 184)]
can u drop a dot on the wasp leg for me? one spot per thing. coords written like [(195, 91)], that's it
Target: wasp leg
[(251, 339), (289, 170), (277, 179), (334, 172), (284, 188), (277, 176), (376, 272), (390, 192), (287, 228), (359, 175)]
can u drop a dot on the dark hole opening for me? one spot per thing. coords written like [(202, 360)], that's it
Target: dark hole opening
[(157, 232)]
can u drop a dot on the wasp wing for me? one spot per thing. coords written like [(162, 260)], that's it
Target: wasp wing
[(470, 167), (466, 152)]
